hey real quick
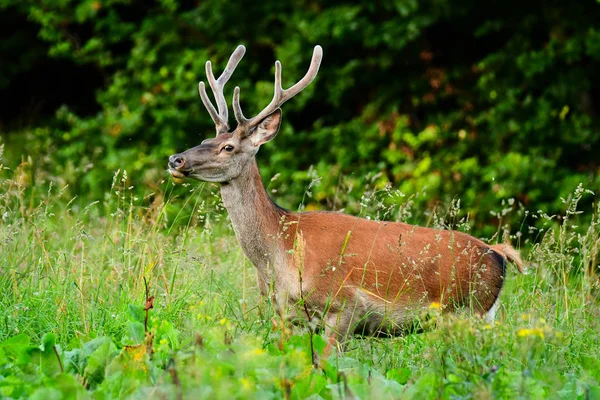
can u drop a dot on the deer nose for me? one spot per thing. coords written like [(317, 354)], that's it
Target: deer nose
[(176, 161)]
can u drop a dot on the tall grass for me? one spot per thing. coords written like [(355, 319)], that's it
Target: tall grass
[(78, 272)]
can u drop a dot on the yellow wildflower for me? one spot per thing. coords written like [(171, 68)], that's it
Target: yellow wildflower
[(531, 332), (257, 351), (246, 383), (225, 323), (435, 306), (136, 352)]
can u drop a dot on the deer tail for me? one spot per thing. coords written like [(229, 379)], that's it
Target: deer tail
[(511, 254)]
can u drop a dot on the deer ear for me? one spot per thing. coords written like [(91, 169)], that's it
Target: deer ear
[(267, 128)]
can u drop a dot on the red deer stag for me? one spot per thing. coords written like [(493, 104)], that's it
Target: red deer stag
[(350, 272)]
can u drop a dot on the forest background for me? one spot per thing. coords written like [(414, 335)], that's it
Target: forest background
[(437, 100)]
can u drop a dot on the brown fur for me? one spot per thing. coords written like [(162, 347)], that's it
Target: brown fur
[(390, 267)]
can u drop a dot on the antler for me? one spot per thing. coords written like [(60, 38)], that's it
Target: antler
[(217, 85), (280, 95)]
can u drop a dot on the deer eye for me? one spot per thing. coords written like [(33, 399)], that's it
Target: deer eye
[(228, 148)]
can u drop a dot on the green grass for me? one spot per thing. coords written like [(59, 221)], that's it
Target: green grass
[(75, 278)]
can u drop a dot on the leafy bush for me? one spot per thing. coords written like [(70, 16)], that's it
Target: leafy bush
[(481, 101)]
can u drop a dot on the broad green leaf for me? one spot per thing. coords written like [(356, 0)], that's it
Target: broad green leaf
[(136, 313), (400, 375), (311, 385), (47, 393), (135, 333), (70, 387), (16, 342), (98, 361)]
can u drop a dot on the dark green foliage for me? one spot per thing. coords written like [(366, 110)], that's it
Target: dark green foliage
[(477, 100)]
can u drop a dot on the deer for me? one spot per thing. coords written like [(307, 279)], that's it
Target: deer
[(355, 275)]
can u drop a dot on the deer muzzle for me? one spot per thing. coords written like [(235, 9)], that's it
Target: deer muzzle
[(177, 164)]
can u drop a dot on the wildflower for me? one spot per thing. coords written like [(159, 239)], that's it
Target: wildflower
[(252, 354), (256, 351), (531, 332), (435, 306), (136, 352), (225, 323), (245, 383), (305, 373)]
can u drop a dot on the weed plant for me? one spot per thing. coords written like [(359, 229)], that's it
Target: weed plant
[(151, 297)]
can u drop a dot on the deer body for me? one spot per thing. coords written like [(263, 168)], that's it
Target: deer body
[(375, 272), (349, 271)]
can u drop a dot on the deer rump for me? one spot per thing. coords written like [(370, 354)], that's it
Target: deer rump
[(378, 276)]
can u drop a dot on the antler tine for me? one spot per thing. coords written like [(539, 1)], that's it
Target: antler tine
[(221, 118), (209, 107), (315, 63), (280, 95), (237, 110)]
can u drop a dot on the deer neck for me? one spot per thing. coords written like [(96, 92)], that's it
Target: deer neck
[(255, 218)]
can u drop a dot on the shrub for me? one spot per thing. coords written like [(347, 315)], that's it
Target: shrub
[(482, 101)]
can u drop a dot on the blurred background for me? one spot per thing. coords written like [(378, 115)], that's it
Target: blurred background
[(494, 103)]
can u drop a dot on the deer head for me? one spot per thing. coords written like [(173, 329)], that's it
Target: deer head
[(223, 158)]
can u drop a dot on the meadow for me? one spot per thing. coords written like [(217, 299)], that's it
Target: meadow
[(131, 296), (476, 116)]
